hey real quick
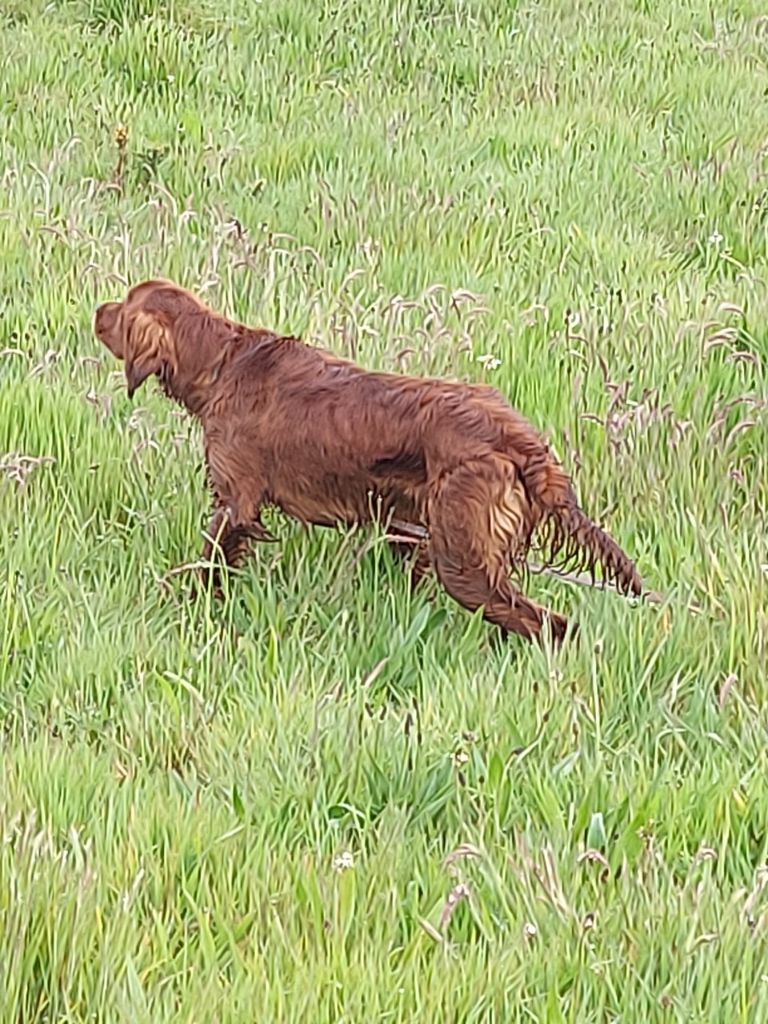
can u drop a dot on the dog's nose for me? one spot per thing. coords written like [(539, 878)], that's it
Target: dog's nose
[(102, 317)]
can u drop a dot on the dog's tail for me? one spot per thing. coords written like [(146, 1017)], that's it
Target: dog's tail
[(567, 535)]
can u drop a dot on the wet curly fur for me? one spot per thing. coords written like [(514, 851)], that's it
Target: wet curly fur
[(289, 425)]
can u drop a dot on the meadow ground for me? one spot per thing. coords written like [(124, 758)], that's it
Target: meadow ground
[(327, 800)]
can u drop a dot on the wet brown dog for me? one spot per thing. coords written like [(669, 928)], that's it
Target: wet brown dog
[(328, 442)]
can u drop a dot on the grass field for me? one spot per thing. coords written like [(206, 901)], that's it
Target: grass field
[(327, 800)]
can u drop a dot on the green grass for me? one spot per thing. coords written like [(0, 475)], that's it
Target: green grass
[(577, 190)]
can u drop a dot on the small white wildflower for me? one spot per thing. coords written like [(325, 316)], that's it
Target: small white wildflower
[(488, 361), (530, 931), (715, 238), (343, 861)]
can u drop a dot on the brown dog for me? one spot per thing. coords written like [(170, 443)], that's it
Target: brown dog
[(328, 442)]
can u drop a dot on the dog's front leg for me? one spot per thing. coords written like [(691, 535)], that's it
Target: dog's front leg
[(409, 543), (415, 556), (217, 540), (238, 497), (230, 539)]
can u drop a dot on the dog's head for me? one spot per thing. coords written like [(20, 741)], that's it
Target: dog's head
[(159, 328)]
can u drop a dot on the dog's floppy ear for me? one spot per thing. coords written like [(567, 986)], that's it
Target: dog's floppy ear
[(147, 349)]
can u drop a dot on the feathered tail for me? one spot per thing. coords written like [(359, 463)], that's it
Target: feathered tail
[(567, 536)]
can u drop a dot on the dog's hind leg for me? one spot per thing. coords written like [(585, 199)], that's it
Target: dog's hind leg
[(480, 523), (502, 605)]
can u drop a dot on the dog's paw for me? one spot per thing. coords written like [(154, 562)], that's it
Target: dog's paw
[(559, 629)]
